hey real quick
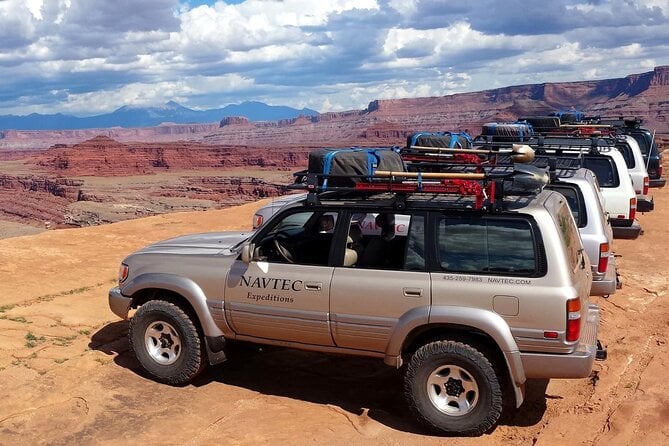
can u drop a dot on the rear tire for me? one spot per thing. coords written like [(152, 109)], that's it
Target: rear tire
[(453, 388), (167, 343)]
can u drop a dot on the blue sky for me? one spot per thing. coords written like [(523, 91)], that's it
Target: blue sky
[(86, 57)]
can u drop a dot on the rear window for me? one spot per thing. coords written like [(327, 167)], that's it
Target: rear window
[(574, 200), (604, 169), (642, 141), (475, 244), (569, 235), (628, 155)]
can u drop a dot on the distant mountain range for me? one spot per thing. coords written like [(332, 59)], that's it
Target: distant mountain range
[(133, 117), (384, 122)]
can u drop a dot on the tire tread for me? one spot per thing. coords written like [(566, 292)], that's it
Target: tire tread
[(426, 355), (193, 361)]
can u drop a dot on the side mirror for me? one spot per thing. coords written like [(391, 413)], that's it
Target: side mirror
[(247, 252)]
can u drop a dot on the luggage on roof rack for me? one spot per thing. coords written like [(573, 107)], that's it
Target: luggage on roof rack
[(518, 131), (542, 123), (462, 140), (345, 167), (427, 146), (567, 117), (487, 187)]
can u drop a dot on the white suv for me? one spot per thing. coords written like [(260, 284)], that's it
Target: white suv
[(629, 148), (601, 156)]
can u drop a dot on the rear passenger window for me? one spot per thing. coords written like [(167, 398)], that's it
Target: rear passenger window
[(386, 241), (604, 169), (487, 245), (574, 200)]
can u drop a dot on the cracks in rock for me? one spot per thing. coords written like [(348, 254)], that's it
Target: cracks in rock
[(619, 397), (50, 297), (617, 306), (347, 415), (86, 408)]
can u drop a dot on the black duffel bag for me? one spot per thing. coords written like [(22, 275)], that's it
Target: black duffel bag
[(345, 167)]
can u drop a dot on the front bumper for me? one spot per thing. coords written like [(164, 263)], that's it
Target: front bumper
[(657, 182), (605, 284), (118, 303), (577, 364), (626, 232)]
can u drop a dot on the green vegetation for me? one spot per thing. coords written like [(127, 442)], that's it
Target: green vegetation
[(32, 340), (64, 341)]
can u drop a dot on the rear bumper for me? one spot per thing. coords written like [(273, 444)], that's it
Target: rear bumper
[(657, 182), (605, 284), (573, 365), (643, 204), (626, 232)]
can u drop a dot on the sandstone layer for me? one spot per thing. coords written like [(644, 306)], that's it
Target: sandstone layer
[(386, 122)]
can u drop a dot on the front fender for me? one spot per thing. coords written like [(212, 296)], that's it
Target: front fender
[(183, 286)]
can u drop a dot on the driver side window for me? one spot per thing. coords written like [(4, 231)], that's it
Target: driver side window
[(302, 238)]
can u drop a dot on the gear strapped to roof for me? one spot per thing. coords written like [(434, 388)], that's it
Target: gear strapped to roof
[(485, 186)]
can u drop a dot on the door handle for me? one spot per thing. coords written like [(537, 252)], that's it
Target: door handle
[(413, 292), (313, 286)]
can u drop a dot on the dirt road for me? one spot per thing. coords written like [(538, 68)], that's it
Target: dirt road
[(67, 377)]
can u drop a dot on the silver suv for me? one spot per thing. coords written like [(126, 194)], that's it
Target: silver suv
[(473, 297), (581, 190)]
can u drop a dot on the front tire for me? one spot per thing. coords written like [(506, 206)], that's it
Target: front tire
[(167, 342), (453, 388)]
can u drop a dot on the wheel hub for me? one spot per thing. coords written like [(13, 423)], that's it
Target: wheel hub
[(165, 340), (454, 387), (452, 390), (163, 343)]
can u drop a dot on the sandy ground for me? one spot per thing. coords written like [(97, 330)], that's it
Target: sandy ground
[(67, 376)]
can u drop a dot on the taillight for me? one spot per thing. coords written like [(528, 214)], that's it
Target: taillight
[(632, 208), (659, 170), (646, 184), (603, 257), (257, 221), (573, 320)]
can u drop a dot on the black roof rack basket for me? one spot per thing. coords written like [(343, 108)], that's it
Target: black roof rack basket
[(487, 188)]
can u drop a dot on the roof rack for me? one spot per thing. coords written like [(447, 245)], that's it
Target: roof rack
[(438, 156), (577, 125), (518, 152), (557, 166), (558, 145), (486, 188)]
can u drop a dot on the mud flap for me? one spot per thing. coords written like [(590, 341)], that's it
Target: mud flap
[(602, 353), (215, 349)]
